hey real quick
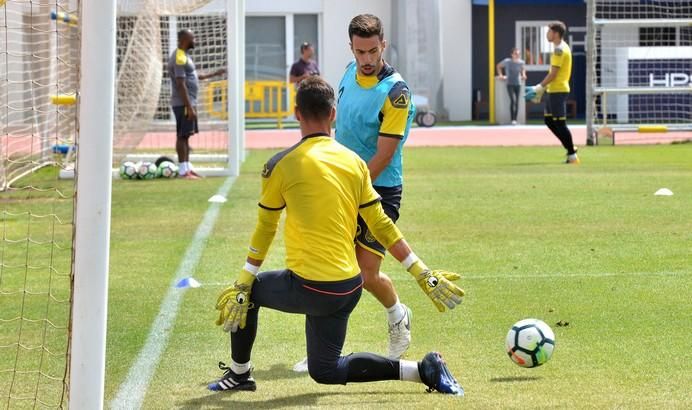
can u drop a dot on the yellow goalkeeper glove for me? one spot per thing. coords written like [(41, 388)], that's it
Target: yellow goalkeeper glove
[(234, 302), (437, 284)]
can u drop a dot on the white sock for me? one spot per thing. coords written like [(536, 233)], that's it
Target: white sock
[(572, 157), (239, 368), (408, 371), (189, 166), (396, 312), (183, 168)]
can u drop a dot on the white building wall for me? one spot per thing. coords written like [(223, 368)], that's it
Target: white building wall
[(335, 51), (455, 17)]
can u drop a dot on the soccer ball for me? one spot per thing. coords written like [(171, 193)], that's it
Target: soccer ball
[(167, 169), (128, 170), (146, 170), (530, 343)]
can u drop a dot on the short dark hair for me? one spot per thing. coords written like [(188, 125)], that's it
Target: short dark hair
[(513, 50), (305, 46), (184, 33), (366, 26), (315, 98), (558, 27)]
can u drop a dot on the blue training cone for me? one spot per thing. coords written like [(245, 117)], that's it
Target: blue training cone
[(188, 283)]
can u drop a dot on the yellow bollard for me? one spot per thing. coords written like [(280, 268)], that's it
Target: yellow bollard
[(63, 99), (655, 128)]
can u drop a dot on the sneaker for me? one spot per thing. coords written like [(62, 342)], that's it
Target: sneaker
[(232, 381), (301, 366), (573, 161), (435, 374), (193, 173), (188, 175), (400, 335), (514, 122)]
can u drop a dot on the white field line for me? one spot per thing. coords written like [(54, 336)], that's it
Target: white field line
[(534, 276), (132, 391), (572, 275)]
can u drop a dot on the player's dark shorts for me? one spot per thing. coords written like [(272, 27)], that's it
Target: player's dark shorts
[(326, 306), (184, 127), (556, 105), (391, 202)]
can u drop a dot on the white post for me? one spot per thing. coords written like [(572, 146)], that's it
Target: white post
[(241, 81), (93, 205), (235, 46)]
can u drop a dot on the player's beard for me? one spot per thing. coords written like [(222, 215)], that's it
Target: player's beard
[(371, 69)]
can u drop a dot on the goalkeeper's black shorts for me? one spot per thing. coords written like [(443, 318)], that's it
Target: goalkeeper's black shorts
[(556, 105), (326, 306), (391, 202), (184, 126)]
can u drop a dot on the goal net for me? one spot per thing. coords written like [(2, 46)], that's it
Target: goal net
[(39, 64), (639, 66), (146, 37)]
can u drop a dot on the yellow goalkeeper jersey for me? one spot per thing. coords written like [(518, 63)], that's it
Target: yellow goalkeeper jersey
[(322, 185), (562, 58)]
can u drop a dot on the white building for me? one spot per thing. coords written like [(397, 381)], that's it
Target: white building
[(429, 42)]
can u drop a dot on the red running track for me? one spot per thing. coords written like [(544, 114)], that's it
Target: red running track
[(419, 137)]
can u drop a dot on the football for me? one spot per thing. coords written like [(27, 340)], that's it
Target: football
[(128, 170), (146, 170), (530, 343), (167, 169)]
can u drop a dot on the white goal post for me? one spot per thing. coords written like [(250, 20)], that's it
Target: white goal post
[(92, 209), (639, 66)]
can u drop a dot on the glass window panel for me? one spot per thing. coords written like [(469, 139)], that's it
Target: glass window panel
[(305, 30), (265, 48)]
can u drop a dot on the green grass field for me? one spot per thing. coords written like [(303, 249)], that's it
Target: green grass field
[(589, 245)]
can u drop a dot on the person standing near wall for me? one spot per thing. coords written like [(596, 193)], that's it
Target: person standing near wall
[(514, 74), (305, 66)]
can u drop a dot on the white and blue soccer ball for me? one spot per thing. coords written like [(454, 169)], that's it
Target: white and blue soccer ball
[(128, 170), (167, 169), (530, 343), (146, 170)]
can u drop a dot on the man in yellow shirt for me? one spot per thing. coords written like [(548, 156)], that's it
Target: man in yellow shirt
[(324, 187), (556, 85)]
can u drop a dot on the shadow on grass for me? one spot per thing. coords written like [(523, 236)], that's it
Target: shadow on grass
[(512, 379), (528, 164), (276, 372), (225, 400)]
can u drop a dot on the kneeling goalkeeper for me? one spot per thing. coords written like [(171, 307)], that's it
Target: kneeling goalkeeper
[(324, 187)]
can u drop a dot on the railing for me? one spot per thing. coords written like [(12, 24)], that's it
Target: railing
[(263, 99)]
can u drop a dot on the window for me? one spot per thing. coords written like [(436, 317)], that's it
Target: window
[(657, 36), (533, 45), (305, 29), (265, 48), (665, 36), (685, 36)]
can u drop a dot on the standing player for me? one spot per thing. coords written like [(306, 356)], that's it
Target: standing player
[(374, 115), (556, 84), (184, 88), (323, 187)]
